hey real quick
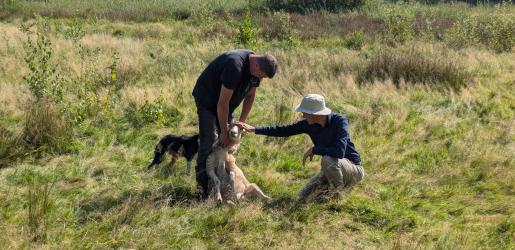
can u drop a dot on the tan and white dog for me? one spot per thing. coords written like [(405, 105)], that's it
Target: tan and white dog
[(226, 175)]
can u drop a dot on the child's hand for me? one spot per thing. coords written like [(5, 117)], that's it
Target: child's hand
[(245, 126), (308, 153)]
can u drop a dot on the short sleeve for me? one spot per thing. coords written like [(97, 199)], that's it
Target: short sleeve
[(231, 74)]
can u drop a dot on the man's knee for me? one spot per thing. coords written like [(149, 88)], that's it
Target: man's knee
[(328, 161)]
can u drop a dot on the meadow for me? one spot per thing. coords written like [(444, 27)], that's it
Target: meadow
[(88, 88)]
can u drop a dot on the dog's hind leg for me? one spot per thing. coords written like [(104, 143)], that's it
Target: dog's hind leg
[(253, 190), (231, 185), (169, 168), (216, 183)]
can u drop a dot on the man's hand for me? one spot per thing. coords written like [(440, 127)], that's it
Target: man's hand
[(224, 139), (245, 126), (308, 153)]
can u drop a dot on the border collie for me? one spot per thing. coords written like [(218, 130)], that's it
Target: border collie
[(173, 145)]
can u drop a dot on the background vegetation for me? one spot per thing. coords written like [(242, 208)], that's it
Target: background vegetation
[(88, 87)]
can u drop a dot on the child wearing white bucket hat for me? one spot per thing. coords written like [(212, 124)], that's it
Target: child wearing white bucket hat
[(341, 163)]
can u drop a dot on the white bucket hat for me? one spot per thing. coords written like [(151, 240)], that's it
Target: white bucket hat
[(313, 104)]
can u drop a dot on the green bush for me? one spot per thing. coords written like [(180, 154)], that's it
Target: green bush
[(413, 67), (43, 77), (355, 40), (495, 32), (156, 112), (247, 31), (305, 6), (278, 27), (398, 29), (285, 32)]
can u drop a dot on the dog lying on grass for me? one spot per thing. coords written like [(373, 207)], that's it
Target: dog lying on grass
[(186, 146), (243, 189), (228, 181)]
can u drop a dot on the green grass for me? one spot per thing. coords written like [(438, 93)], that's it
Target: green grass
[(118, 10), (438, 161)]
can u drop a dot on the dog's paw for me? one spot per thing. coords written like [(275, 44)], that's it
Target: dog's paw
[(219, 198)]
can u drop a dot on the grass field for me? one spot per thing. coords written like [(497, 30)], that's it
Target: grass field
[(86, 92)]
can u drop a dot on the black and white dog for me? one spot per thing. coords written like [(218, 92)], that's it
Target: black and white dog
[(173, 145)]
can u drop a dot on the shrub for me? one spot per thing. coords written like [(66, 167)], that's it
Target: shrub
[(43, 78), (355, 40), (413, 67), (46, 129), (247, 31), (304, 6), (398, 29), (495, 32), (279, 26), (73, 30), (152, 112)]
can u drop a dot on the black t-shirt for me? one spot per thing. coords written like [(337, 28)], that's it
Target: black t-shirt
[(230, 69)]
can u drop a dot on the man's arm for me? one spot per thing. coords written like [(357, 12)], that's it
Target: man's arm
[(278, 131), (247, 104), (222, 111)]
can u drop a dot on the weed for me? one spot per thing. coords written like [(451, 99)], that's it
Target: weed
[(398, 29), (247, 31), (43, 78), (284, 31), (355, 40), (115, 59), (38, 199), (74, 31)]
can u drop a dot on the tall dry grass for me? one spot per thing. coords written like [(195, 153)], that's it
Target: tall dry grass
[(415, 67), (46, 129)]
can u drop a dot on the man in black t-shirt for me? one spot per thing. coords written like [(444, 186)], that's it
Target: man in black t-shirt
[(229, 80)]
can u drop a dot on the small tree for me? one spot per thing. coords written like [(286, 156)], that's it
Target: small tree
[(43, 78), (247, 31)]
